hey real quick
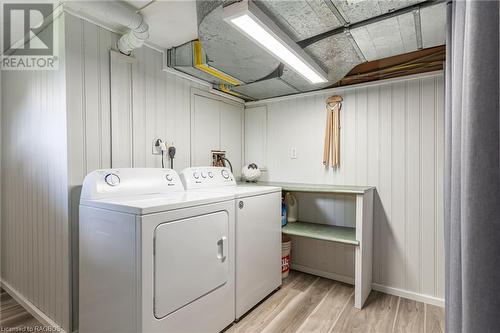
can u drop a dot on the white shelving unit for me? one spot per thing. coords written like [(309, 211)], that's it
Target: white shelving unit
[(361, 236)]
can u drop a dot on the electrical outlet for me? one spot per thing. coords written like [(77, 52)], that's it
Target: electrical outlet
[(156, 150), (293, 153)]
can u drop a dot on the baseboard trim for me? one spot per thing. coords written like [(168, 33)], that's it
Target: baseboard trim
[(31, 308), (409, 294), (375, 286), (325, 274)]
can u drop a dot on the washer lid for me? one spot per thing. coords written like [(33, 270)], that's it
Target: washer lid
[(155, 203)]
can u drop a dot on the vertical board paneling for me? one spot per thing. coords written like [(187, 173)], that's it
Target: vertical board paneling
[(413, 181), (384, 187), (439, 186), (123, 126), (397, 221), (161, 103), (255, 138), (231, 135), (205, 129), (392, 138), (35, 227), (428, 177)]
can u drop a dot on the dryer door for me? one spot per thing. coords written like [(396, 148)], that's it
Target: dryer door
[(190, 260)]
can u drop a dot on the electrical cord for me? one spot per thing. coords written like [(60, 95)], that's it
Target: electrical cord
[(224, 160), (171, 155)]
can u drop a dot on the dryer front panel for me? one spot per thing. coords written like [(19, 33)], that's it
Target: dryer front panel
[(190, 260)]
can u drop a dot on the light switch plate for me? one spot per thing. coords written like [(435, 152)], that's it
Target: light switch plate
[(293, 153)]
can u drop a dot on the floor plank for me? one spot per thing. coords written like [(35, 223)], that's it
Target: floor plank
[(13, 317), (299, 309), (257, 319), (434, 316), (377, 315), (410, 317), (328, 311)]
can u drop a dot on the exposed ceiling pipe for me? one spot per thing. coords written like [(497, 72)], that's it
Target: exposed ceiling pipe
[(116, 13)]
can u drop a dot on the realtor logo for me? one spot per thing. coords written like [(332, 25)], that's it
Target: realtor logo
[(28, 36)]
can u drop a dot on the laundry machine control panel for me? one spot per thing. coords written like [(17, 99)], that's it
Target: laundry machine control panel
[(206, 177), (130, 181)]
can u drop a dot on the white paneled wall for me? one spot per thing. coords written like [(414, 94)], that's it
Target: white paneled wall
[(391, 138), (35, 243), (161, 102), (216, 125)]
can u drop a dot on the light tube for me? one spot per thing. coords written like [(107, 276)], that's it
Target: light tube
[(256, 30)]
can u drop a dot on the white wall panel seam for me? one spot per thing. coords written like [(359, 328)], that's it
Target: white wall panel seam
[(405, 83), (84, 99), (421, 184), (99, 95), (436, 157)]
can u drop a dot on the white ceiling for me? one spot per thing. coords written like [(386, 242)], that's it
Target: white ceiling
[(171, 23)]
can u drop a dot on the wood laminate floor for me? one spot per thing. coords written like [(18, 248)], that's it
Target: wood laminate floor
[(307, 303), (14, 318)]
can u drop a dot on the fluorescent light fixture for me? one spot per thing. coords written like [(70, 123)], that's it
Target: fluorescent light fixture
[(252, 22)]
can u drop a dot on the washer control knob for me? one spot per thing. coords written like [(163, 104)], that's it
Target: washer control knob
[(210, 174), (196, 175), (169, 177), (224, 173), (111, 179), (203, 175)]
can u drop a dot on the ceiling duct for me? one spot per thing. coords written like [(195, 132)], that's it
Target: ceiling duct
[(337, 34), (115, 13), (190, 58)]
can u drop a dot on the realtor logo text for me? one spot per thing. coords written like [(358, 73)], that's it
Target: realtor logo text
[(28, 37)]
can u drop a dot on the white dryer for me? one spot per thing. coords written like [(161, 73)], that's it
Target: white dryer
[(154, 258), (258, 231)]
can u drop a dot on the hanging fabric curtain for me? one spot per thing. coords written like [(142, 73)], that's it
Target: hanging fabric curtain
[(331, 150), (472, 168)]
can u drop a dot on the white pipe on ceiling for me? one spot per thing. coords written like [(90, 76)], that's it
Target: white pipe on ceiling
[(116, 13)]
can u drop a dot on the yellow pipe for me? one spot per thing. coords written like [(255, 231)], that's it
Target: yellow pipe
[(223, 88), (198, 63)]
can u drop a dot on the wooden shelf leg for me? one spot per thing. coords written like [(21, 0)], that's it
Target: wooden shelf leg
[(363, 260)]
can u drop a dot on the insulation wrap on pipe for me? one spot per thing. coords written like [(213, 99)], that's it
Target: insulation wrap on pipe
[(116, 13)]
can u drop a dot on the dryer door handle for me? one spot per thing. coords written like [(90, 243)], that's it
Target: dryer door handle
[(222, 248)]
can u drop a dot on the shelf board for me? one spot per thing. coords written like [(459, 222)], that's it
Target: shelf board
[(318, 188), (326, 232)]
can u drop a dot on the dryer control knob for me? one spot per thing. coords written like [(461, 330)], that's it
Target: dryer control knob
[(203, 175), (196, 175), (111, 179), (169, 177), (225, 174), (210, 174)]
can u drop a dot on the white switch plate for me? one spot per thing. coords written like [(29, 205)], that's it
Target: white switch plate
[(293, 153)]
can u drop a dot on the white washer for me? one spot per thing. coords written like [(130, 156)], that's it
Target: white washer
[(258, 231), (153, 257)]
